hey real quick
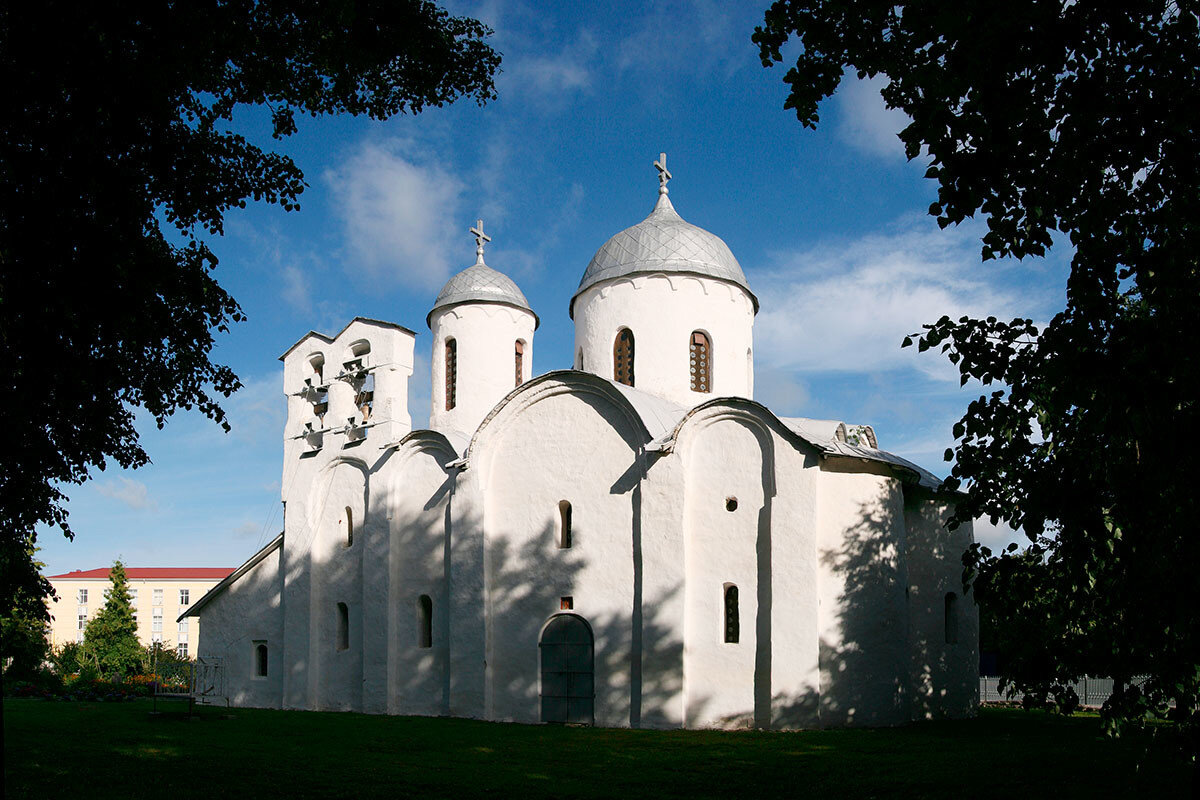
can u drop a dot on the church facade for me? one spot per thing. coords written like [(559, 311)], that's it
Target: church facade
[(631, 542)]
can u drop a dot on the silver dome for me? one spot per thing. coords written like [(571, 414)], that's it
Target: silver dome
[(663, 242), (479, 283)]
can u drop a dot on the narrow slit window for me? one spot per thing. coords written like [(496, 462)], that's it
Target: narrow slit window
[(564, 525), (951, 618), (349, 527), (424, 621), (343, 627), (580, 367), (732, 624), (260, 660), (519, 359), (700, 362), (623, 357), (451, 373)]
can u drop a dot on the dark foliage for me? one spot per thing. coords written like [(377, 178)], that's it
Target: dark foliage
[(116, 159), (1078, 119)]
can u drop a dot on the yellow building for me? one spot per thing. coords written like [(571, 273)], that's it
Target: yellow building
[(159, 596)]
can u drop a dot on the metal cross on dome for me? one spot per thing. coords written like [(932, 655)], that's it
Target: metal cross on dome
[(480, 238), (663, 174)]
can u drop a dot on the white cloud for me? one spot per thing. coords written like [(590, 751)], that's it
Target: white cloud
[(845, 307), (130, 492), (400, 212), (866, 123), (780, 391), (551, 78), (295, 288), (998, 536)]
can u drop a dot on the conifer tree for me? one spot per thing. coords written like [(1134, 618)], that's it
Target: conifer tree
[(110, 639)]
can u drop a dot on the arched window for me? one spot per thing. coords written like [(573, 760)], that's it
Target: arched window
[(733, 626), (343, 627), (424, 621), (260, 660), (564, 524), (580, 367), (951, 618), (349, 528), (700, 362), (316, 363), (520, 362), (623, 357), (451, 373)]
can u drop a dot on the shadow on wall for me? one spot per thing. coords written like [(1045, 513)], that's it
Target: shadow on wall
[(891, 662), (638, 656)]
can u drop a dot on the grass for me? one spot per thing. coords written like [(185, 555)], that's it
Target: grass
[(54, 749)]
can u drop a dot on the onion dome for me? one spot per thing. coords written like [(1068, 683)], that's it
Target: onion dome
[(663, 243), (479, 283)]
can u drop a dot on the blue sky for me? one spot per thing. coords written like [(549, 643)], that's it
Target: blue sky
[(829, 226)]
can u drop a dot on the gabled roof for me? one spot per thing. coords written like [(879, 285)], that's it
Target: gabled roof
[(194, 609), (330, 339), (149, 573)]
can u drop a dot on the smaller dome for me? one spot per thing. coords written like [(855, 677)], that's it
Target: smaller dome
[(479, 283)]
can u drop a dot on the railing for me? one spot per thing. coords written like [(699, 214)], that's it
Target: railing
[(1092, 691)]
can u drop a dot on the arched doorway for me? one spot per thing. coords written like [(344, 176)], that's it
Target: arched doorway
[(568, 682)]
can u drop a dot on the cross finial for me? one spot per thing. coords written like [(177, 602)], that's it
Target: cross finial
[(663, 174), (480, 238)]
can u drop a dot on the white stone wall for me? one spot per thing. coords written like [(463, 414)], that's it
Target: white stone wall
[(585, 449), (485, 335), (945, 675), (419, 490), (841, 574), (765, 547), (663, 311), (235, 621), (863, 615)]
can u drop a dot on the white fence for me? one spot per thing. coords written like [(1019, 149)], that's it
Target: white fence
[(1092, 691)]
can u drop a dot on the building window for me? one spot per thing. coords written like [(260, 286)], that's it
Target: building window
[(181, 649), (184, 595), (183, 624), (519, 350), (732, 624), (158, 597), (83, 597), (260, 659), (156, 637), (79, 636), (343, 627), (564, 525), (349, 528), (731, 503), (156, 620), (580, 367), (81, 619), (451, 373), (951, 618), (700, 362), (566, 603), (424, 621), (183, 637), (623, 357), (133, 595)]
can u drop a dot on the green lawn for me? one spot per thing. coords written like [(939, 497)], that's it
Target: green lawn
[(60, 749)]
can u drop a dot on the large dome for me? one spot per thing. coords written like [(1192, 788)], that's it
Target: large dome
[(479, 283), (663, 242)]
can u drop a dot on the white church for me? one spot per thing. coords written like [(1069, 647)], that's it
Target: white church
[(632, 542)]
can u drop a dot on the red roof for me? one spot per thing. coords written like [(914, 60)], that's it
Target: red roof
[(152, 573)]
